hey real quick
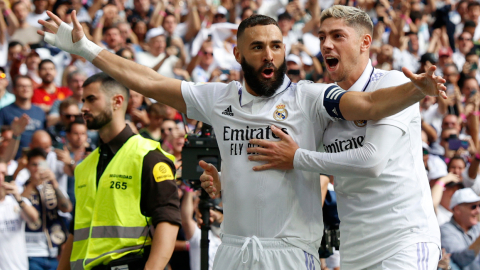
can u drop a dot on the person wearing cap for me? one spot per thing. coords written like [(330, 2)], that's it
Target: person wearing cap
[(221, 15), (295, 68), (460, 236), (444, 58), (157, 57)]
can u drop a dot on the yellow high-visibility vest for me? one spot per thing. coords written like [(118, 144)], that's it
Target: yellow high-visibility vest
[(108, 221)]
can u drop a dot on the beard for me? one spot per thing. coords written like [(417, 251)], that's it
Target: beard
[(261, 86), (100, 120)]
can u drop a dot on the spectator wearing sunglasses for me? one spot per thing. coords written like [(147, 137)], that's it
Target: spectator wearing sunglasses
[(6, 98), (204, 71), (69, 111), (460, 236)]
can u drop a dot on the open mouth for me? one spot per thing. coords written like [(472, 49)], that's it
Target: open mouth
[(332, 62), (267, 73)]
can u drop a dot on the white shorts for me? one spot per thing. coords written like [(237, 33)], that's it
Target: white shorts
[(254, 253), (419, 256)]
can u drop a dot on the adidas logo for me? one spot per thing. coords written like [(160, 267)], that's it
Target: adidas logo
[(228, 111)]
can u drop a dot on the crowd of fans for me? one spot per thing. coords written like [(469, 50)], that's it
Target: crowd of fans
[(43, 135)]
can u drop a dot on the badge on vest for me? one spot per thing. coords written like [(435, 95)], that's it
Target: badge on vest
[(120, 267), (162, 172), (280, 113)]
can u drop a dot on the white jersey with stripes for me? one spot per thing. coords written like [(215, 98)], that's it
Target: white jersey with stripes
[(272, 203)]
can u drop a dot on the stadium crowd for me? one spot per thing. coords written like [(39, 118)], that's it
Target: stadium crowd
[(44, 137)]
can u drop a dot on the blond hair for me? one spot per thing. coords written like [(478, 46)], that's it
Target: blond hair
[(353, 17)]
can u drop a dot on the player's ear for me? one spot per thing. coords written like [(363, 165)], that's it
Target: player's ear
[(238, 55), (366, 42)]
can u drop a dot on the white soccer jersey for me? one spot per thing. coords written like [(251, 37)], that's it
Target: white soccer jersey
[(273, 203), (381, 216)]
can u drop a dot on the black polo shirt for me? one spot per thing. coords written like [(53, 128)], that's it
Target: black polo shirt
[(159, 200)]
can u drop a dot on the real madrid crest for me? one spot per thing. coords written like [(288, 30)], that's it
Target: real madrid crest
[(360, 123), (280, 113)]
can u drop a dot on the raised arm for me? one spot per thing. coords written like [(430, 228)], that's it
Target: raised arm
[(134, 76), (388, 101)]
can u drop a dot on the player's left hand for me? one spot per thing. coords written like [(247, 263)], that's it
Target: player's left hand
[(428, 83), (278, 155)]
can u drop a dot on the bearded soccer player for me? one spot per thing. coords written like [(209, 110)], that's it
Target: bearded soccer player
[(260, 231), (384, 200)]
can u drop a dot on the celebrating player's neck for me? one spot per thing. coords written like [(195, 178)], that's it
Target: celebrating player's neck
[(352, 76)]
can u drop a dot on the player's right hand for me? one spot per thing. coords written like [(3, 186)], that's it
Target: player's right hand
[(210, 181), (56, 25)]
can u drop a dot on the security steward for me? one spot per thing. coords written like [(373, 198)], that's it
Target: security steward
[(127, 212)]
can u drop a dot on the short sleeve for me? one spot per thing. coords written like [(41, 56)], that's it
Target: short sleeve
[(404, 117), (200, 99)]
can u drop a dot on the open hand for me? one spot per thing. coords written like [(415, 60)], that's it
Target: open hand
[(278, 155), (19, 124), (210, 180), (428, 83), (76, 34)]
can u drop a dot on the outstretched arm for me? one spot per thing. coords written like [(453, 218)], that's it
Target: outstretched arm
[(389, 101), (134, 76), (366, 161)]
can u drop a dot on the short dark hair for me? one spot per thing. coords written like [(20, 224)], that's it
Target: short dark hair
[(36, 152), (471, 52), (415, 15), (469, 24), (77, 121), (108, 85), (461, 82), (2, 70), (18, 77), (473, 4), (255, 20), (44, 61), (5, 128), (284, 16), (106, 28), (456, 158), (67, 103), (14, 43), (157, 109)]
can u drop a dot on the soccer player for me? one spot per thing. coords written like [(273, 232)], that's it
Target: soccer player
[(384, 200), (261, 231)]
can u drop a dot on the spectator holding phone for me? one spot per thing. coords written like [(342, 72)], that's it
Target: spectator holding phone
[(44, 238), (15, 211)]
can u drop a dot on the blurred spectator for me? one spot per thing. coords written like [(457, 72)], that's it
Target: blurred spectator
[(6, 98), (40, 13), (76, 151), (136, 112), (142, 11), (44, 238), (294, 68), (203, 71), (465, 44), (285, 21), (26, 33), (15, 211), (460, 236), (23, 93), (156, 114), (48, 92), (157, 56), (75, 81), (69, 111)]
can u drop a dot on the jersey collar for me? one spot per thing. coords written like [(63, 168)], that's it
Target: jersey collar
[(361, 84), (246, 97)]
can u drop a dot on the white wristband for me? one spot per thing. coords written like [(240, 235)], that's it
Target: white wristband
[(63, 40)]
